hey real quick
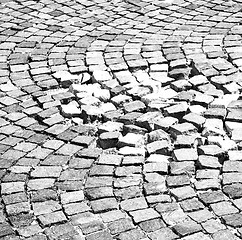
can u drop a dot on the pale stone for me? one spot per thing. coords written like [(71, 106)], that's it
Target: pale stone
[(70, 110), (102, 94), (6, 87), (132, 151), (131, 139), (101, 76), (107, 107)]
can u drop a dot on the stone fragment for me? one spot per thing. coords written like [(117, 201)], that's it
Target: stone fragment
[(165, 123), (134, 106), (177, 110), (132, 151), (157, 135), (109, 139), (195, 119), (212, 150), (159, 147), (131, 140), (110, 127), (185, 154), (71, 110), (182, 128)]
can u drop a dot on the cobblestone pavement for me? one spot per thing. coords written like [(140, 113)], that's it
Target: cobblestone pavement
[(121, 119)]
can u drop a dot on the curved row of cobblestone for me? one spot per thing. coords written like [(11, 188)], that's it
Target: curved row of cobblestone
[(120, 120)]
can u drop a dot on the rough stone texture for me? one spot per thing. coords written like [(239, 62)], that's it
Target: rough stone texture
[(120, 120)]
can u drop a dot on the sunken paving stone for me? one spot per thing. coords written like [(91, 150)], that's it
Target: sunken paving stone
[(120, 121)]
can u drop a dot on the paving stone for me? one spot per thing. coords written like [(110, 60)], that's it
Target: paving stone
[(187, 227), (21, 220), (207, 174), (192, 204), (134, 106), (201, 215), (133, 204), (177, 110), (112, 216), (101, 235), (46, 171), (177, 181), (37, 184), (76, 208), (70, 197), (12, 187), (195, 119), (55, 160), (109, 139), (121, 225), (30, 230), (183, 193), (185, 154), (159, 147), (233, 220), (105, 204), (46, 207), (233, 190), (91, 226), (61, 231), (209, 162), (157, 135), (132, 234), (43, 195), (128, 192), (212, 150), (15, 198), (163, 233), (51, 218), (6, 230), (183, 128), (165, 123), (224, 234), (144, 214), (177, 168), (223, 208)]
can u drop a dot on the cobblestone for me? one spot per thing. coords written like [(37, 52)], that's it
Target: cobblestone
[(120, 120)]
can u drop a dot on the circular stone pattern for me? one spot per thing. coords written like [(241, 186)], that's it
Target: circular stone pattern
[(120, 119)]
